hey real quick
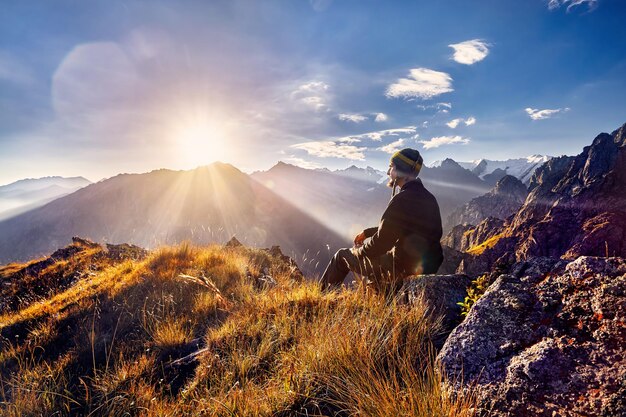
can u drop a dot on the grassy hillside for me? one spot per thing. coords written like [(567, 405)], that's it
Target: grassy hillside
[(239, 333)]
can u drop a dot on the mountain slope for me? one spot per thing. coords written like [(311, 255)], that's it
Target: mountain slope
[(208, 204), (502, 201), (576, 206)]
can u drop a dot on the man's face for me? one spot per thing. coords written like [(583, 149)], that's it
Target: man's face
[(392, 174)]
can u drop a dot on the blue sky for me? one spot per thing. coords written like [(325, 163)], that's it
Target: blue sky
[(99, 88)]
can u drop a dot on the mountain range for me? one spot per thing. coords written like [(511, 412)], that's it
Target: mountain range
[(576, 206), (491, 171), (308, 212), (208, 204), (27, 194)]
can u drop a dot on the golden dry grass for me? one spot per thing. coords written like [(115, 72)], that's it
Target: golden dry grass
[(105, 346), (487, 244)]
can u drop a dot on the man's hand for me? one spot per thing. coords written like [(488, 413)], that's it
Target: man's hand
[(359, 239)]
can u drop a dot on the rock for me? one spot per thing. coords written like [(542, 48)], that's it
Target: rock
[(486, 229), (263, 281), (85, 243), (440, 293), (125, 251), (233, 243), (454, 238), (549, 338), (452, 258), (290, 264)]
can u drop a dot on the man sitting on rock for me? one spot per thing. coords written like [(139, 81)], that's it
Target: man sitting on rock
[(406, 242)]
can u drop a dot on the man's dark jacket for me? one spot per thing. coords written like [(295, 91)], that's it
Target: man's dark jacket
[(412, 225)]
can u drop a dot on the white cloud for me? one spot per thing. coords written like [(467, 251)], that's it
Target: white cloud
[(470, 52), (313, 94), (302, 163), (330, 149), (380, 134), (381, 117), (443, 140), (441, 107), (392, 147), (352, 117), (537, 114), (555, 4), (422, 83), (454, 123)]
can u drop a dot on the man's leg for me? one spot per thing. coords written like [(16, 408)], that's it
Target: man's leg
[(342, 263)]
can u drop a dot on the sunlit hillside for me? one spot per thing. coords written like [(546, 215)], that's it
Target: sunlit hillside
[(209, 330), (206, 205)]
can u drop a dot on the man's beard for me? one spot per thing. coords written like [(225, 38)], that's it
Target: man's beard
[(391, 183)]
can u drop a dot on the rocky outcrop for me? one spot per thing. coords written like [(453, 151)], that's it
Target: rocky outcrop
[(547, 339), (125, 251), (485, 230), (465, 237), (440, 294), (456, 236), (501, 202), (576, 207), (452, 258), (22, 285)]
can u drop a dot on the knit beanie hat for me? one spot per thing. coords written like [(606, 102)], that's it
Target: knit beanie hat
[(408, 161)]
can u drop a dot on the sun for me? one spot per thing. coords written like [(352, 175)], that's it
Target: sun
[(200, 142)]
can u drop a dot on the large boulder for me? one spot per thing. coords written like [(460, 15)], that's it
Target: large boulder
[(547, 339), (440, 294)]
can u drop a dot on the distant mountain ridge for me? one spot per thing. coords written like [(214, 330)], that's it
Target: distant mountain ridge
[(493, 170), (27, 194), (355, 198)]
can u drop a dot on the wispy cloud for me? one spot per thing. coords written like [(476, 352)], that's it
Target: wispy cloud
[(455, 122), (352, 117), (378, 135), (381, 117), (443, 140), (302, 163), (440, 107), (313, 94), (537, 114), (392, 147), (470, 52), (555, 4), (330, 149), (422, 83)]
